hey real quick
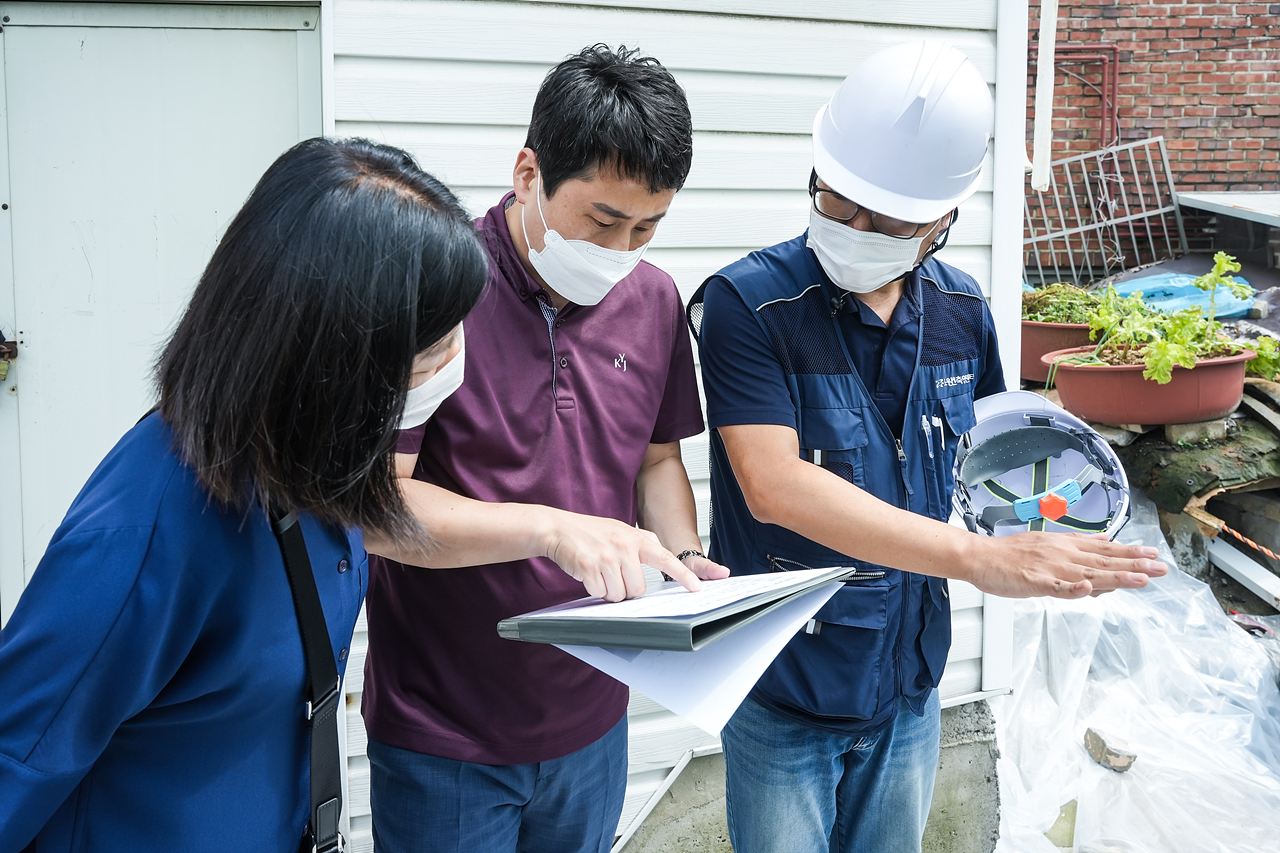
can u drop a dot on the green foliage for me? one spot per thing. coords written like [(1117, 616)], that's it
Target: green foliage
[(1125, 322), (1210, 281), (1160, 356), (1059, 302), (1130, 331), (1267, 364)]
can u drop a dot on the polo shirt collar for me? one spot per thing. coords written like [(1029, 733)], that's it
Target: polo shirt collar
[(904, 313), (503, 251)]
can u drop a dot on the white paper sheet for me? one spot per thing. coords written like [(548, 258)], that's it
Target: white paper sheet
[(672, 599), (707, 686)]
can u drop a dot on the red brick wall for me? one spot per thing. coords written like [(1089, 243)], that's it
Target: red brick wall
[(1204, 76)]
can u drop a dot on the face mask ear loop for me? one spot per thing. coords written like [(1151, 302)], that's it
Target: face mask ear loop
[(938, 242), (542, 215), (525, 228)]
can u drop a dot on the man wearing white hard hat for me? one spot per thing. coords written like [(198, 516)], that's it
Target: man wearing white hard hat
[(840, 368)]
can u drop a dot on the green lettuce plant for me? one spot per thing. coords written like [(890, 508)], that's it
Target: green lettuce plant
[(1267, 363), (1130, 332)]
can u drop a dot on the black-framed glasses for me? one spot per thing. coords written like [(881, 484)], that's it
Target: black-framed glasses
[(835, 206)]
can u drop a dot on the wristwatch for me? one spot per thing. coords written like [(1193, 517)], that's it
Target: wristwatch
[(692, 552)]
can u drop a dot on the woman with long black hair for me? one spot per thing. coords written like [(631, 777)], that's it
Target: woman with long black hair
[(152, 673)]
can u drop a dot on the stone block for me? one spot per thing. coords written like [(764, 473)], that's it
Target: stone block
[(1187, 541), (1116, 436), (1108, 751), (1197, 433)]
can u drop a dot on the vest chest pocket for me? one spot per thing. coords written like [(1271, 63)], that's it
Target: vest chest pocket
[(960, 418), (942, 423), (835, 439)]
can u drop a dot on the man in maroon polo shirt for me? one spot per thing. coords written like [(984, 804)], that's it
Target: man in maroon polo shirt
[(579, 385)]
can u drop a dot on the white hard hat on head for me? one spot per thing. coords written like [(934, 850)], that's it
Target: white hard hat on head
[(906, 133)]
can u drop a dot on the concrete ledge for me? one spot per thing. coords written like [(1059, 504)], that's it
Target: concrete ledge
[(966, 797), (690, 817)]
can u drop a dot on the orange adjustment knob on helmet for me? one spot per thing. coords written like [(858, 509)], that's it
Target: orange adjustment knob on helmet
[(1053, 506)]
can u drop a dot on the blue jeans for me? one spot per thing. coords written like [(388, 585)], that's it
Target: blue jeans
[(793, 788), (426, 804)]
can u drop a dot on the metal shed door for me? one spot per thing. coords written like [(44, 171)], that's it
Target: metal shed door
[(132, 133)]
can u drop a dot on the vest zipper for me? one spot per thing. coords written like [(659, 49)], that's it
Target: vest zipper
[(906, 576), (902, 467), (776, 565)]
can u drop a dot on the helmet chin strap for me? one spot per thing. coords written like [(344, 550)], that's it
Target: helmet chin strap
[(939, 241)]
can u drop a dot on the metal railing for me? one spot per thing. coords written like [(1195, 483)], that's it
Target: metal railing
[(1104, 212)]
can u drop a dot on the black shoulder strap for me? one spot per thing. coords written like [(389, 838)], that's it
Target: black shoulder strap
[(323, 688), (323, 693)]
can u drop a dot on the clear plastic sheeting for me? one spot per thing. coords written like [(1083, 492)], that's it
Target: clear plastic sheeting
[(1166, 671)]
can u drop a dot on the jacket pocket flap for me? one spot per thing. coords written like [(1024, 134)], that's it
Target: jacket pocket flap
[(960, 416), (857, 607), (832, 429)]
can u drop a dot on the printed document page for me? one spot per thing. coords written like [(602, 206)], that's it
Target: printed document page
[(707, 686), (671, 599)]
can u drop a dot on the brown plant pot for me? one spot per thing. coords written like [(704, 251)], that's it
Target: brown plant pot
[(1117, 394), (1039, 338)]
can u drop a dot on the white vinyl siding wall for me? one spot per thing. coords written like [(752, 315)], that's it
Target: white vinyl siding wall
[(453, 81)]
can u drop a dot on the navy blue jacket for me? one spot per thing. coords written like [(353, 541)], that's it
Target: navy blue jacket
[(152, 672), (879, 639)]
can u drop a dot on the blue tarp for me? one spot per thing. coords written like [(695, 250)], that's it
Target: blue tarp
[(1170, 291)]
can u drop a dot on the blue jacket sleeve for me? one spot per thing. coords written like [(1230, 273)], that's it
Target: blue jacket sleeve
[(91, 642), (742, 376)]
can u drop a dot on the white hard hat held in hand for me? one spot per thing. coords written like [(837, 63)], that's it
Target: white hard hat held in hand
[(906, 133), (1028, 464)]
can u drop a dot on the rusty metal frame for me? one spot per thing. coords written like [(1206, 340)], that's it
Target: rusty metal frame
[(1104, 212)]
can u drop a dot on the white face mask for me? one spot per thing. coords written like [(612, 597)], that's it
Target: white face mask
[(860, 261), (422, 401), (578, 270)]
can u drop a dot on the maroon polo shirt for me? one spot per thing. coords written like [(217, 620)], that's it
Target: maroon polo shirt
[(556, 411)]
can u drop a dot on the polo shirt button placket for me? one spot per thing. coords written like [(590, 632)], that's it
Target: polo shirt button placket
[(564, 362)]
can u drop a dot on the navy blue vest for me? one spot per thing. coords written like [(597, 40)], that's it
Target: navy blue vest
[(880, 639)]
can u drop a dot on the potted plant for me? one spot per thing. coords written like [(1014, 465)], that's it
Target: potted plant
[(1054, 317), (1149, 367)]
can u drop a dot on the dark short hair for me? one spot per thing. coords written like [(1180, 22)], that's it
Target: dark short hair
[(611, 110), (285, 379)]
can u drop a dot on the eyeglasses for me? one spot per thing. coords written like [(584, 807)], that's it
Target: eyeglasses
[(835, 206)]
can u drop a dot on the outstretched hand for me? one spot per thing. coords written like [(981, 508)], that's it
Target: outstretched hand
[(608, 556), (1061, 565)]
